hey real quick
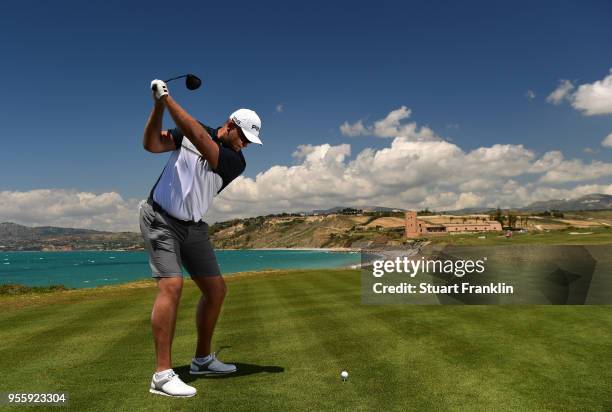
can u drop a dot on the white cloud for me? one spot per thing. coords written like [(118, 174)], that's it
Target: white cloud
[(607, 142), (279, 108), (390, 126), (590, 98), (411, 174), (407, 173), (69, 208), (548, 161), (595, 98), (530, 95), (561, 93), (577, 171), (355, 129), (548, 193)]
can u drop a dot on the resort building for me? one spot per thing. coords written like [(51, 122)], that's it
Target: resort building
[(441, 225)]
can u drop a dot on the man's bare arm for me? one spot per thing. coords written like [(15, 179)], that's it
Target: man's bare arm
[(155, 140), (193, 131)]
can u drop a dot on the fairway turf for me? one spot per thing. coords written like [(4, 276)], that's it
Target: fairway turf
[(292, 333), (590, 236)]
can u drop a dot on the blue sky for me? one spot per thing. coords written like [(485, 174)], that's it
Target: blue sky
[(76, 74)]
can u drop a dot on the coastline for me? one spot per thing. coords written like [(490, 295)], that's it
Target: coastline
[(87, 269), (314, 249), (73, 295)]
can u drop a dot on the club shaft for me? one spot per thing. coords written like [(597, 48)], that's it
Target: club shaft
[(174, 78)]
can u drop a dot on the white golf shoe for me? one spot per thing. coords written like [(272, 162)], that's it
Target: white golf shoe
[(211, 366), (171, 385)]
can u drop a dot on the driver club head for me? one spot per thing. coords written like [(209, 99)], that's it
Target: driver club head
[(192, 81)]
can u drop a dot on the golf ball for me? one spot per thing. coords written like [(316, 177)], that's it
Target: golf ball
[(344, 375)]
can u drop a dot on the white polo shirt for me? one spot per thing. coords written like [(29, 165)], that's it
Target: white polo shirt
[(188, 185)]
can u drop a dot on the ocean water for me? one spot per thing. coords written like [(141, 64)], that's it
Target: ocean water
[(89, 269)]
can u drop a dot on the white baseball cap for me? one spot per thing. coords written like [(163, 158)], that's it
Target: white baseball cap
[(249, 122)]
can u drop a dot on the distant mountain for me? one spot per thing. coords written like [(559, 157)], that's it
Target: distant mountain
[(472, 211), (334, 230), (595, 201), (19, 237), (364, 208), (13, 231)]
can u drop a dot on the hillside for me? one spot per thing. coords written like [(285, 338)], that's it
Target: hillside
[(340, 228), (329, 231), (13, 231), (595, 201), (14, 237), (364, 230)]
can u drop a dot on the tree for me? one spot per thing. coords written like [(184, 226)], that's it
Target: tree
[(498, 216), (511, 220), (557, 213)]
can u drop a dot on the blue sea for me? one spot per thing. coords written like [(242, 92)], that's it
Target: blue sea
[(88, 269)]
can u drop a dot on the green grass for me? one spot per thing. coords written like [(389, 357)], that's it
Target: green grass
[(17, 289), (598, 236), (291, 334), (596, 214)]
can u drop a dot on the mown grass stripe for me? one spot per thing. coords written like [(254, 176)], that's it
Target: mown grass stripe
[(56, 329), (336, 344), (312, 323), (393, 377), (408, 341)]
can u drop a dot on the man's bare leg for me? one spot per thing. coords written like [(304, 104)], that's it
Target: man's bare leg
[(163, 319), (207, 312)]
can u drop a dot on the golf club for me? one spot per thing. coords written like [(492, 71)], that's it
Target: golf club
[(192, 82)]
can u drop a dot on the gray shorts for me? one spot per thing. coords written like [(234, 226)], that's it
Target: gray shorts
[(172, 243)]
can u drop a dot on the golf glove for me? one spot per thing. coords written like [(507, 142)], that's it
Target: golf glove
[(160, 88)]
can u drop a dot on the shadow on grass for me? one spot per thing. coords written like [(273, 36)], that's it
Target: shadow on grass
[(244, 369)]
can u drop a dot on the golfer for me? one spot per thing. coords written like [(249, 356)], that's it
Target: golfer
[(202, 163)]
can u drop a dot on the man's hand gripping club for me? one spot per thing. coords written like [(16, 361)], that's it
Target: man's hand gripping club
[(160, 89), (190, 127)]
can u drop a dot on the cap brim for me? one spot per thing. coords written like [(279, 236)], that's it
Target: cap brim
[(251, 137)]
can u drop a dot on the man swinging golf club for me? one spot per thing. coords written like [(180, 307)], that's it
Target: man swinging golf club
[(202, 163)]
